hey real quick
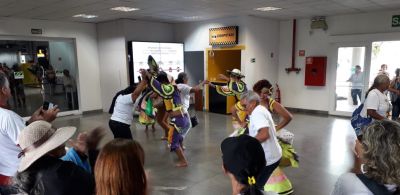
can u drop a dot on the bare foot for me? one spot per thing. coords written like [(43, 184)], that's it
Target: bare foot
[(181, 164)]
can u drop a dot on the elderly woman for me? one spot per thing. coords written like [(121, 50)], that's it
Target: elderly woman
[(379, 152), (377, 104)]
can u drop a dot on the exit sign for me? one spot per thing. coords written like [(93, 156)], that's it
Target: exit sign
[(396, 21)]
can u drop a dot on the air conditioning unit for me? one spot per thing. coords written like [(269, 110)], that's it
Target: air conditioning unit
[(319, 22)]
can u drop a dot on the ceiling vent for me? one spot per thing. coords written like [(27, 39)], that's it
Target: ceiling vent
[(319, 22)]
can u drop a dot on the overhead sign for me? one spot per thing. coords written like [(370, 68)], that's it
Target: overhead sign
[(36, 31), (224, 35), (396, 21)]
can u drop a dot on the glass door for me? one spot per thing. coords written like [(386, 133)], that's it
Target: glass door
[(350, 78)]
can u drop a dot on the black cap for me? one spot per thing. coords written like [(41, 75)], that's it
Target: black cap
[(243, 156)]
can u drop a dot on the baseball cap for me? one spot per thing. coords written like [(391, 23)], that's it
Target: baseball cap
[(243, 156)]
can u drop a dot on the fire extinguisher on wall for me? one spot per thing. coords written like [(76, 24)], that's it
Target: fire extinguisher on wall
[(278, 94)]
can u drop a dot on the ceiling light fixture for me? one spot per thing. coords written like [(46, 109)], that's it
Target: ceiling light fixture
[(124, 9), (266, 9), (192, 17), (84, 16)]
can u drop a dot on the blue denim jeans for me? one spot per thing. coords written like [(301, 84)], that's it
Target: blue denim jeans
[(354, 94)]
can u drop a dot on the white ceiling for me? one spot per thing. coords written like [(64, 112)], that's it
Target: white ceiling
[(175, 11)]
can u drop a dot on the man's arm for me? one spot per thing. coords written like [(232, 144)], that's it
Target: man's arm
[(263, 134)]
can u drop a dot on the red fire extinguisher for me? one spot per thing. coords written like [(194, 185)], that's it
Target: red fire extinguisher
[(278, 94)]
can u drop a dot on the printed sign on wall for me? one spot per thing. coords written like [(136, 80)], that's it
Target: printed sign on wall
[(396, 21), (19, 75), (224, 35)]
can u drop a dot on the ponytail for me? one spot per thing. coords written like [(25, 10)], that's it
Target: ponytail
[(252, 190), (251, 187), (370, 89)]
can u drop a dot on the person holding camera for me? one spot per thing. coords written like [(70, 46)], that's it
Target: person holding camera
[(11, 124)]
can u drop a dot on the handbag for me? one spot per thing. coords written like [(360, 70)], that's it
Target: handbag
[(194, 121), (358, 122), (373, 186)]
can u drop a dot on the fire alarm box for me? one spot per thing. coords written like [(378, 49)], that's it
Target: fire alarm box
[(315, 71)]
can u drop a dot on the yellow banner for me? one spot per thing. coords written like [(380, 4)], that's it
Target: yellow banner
[(224, 35)]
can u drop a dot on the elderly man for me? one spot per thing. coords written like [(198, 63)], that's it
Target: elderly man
[(262, 127), (10, 126)]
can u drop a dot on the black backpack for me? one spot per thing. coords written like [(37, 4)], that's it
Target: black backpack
[(373, 186)]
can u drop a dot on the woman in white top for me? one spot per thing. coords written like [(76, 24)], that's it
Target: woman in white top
[(185, 90), (122, 115), (377, 104), (379, 152)]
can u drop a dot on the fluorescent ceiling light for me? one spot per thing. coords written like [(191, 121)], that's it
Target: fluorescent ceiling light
[(192, 17), (266, 9), (124, 9), (84, 16)]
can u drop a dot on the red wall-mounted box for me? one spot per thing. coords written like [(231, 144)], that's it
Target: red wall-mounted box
[(315, 71)]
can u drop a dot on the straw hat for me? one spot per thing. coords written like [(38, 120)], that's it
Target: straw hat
[(39, 138), (235, 72)]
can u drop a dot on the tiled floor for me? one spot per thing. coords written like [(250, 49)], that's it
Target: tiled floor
[(322, 143)]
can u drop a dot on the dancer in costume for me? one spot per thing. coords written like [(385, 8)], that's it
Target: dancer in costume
[(278, 182), (235, 87), (179, 122), (147, 111), (161, 114)]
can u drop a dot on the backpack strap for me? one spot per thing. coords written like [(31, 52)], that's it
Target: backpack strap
[(375, 187)]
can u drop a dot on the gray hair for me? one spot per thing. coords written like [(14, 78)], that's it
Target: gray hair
[(251, 96), (380, 79), (381, 144)]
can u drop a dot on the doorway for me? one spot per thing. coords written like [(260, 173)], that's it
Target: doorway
[(384, 53), (218, 62), (372, 57), (40, 71)]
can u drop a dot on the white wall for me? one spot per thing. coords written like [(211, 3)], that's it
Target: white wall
[(261, 39), (259, 36), (195, 34), (112, 57), (112, 40), (136, 30), (346, 28), (86, 49), (66, 51)]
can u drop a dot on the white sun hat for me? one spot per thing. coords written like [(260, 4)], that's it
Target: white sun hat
[(235, 72), (39, 138)]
